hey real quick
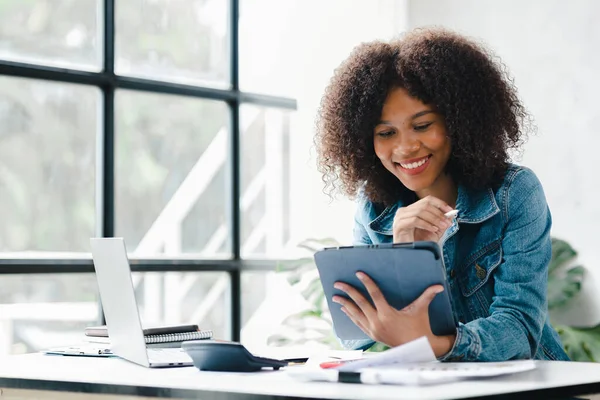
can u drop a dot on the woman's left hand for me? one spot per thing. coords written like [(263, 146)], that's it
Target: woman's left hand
[(385, 324)]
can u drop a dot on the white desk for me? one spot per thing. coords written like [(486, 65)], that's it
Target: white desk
[(47, 375)]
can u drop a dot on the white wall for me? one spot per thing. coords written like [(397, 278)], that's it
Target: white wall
[(552, 49), (328, 31)]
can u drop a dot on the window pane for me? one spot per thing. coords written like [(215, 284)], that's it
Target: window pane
[(171, 175), (38, 311), (47, 161), (259, 308), (297, 323), (63, 33), (265, 172), (178, 40), (266, 64), (172, 298)]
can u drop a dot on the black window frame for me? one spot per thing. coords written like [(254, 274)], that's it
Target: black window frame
[(107, 81)]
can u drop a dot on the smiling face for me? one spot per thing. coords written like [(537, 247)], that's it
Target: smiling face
[(411, 142)]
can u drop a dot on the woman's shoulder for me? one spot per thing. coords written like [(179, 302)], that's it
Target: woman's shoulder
[(520, 186), (366, 209), (520, 177)]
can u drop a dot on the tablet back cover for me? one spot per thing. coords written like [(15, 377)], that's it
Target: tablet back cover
[(402, 272)]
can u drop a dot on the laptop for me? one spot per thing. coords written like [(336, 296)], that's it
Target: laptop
[(113, 274)]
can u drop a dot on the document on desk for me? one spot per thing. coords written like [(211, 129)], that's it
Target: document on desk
[(83, 350), (413, 363)]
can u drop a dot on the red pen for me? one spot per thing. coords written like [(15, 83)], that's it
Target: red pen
[(333, 364)]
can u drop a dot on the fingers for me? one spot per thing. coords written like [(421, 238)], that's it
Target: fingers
[(357, 318), (416, 221), (358, 300), (426, 214), (423, 301), (378, 299), (349, 308), (438, 203)]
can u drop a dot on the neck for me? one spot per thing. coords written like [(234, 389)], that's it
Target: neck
[(443, 188)]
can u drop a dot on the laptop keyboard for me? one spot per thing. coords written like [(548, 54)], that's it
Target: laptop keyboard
[(168, 356)]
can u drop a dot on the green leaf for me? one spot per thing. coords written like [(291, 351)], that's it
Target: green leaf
[(378, 347), (296, 275), (314, 288), (581, 344), (310, 313), (564, 287), (292, 265), (562, 252), (319, 301)]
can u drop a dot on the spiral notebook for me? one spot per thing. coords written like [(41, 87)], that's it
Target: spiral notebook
[(162, 334)]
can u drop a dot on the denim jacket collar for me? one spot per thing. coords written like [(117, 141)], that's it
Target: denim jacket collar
[(474, 207)]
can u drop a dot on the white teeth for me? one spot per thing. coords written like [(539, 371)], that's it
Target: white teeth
[(415, 164)]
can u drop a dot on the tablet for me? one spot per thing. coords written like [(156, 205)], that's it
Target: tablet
[(401, 270)]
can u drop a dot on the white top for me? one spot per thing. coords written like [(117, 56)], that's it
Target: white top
[(117, 376)]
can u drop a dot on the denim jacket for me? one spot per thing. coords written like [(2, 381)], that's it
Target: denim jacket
[(496, 255)]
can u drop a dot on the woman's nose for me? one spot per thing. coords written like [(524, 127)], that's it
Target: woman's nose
[(406, 146)]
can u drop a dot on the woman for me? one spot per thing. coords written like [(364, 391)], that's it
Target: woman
[(421, 126)]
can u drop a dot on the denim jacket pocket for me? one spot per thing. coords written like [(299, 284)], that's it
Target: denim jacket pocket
[(479, 267)]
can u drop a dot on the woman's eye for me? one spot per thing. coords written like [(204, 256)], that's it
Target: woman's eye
[(386, 133), (422, 127)]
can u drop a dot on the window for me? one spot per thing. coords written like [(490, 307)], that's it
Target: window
[(61, 33), (185, 41), (47, 165), (171, 180), (126, 119), (174, 124)]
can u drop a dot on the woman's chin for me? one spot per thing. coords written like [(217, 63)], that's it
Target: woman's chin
[(414, 184)]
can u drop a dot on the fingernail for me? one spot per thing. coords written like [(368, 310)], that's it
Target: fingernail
[(335, 299), (360, 275), (337, 286), (344, 310), (440, 290)]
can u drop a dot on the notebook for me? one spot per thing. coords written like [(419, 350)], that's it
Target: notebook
[(164, 334)]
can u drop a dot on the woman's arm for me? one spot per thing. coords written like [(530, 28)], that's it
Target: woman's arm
[(518, 311)]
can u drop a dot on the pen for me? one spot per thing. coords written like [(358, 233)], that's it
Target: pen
[(451, 214), (333, 364)]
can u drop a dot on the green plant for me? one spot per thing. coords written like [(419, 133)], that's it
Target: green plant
[(564, 283), (314, 323)]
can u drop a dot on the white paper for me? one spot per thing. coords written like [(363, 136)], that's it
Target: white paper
[(437, 372), (417, 351), (413, 363), (334, 355)]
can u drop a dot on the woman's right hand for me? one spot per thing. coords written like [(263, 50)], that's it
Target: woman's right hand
[(422, 220)]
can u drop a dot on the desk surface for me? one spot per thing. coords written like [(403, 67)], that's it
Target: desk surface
[(116, 376)]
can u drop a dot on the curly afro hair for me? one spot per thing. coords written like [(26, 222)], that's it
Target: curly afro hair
[(465, 82)]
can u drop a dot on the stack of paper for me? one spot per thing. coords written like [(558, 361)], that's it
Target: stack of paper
[(413, 363)]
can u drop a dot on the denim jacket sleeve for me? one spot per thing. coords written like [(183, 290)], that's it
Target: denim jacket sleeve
[(518, 311), (360, 235)]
